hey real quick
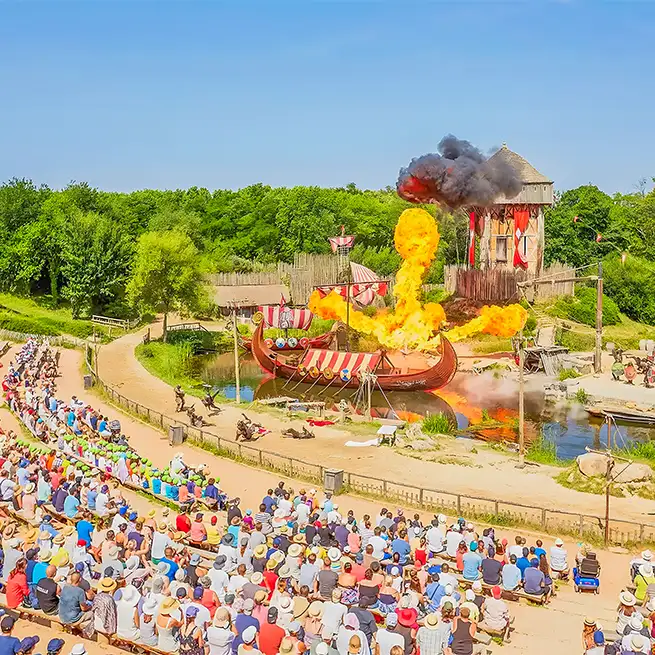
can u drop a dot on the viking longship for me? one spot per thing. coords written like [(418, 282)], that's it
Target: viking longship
[(284, 317), (346, 369)]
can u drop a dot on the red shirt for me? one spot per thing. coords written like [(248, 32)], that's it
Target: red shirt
[(270, 638), (358, 571), (270, 580), (421, 556), (16, 590), (183, 523)]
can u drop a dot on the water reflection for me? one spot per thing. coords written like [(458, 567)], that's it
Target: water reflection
[(466, 401)]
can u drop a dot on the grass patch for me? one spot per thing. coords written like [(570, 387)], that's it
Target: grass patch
[(571, 478), (485, 344), (543, 451), (581, 396), (29, 317), (437, 424), (568, 374), (639, 450)]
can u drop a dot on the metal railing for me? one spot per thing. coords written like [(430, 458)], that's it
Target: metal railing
[(494, 511)]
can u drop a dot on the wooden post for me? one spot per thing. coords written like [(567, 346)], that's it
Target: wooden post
[(521, 463), (608, 482), (599, 320), (608, 421), (236, 353)]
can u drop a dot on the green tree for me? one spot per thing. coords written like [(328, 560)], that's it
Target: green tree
[(166, 275)]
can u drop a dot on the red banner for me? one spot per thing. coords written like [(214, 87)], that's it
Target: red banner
[(521, 219), (472, 239)]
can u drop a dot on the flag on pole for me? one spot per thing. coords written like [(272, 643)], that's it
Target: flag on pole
[(521, 219)]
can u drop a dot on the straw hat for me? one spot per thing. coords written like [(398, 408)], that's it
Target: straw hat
[(260, 596), (67, 530), (9, 531), (298, 538), (58, 539), (260, 551), (152, 513), (168, 606), (31, 536), (278, 557), (627, 599), (295, 550), (29, 488), (256, 578), (221, 618), (45, 555), (271, 564), (131, 595), (44, 535), (354, 645), (107, 585), (431, 621), (286, 646), (636, 622), (315, 609), (637, 642), (62, 557), (284, 572), (163, 526)]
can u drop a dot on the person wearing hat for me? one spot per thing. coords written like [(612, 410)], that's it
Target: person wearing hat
[(349, 629), (626, 609), (213, 533), (167, 624), (245, 623), (78, 649), (635, 627), (28, 501), (104, 608), (558, 560), (229, 551), (388, 636), (147, 633), (27, 645), (645, 557), (10, 643), (252, 586), (128, 613), (219, 633), (219, 577), (644, 578), (259, 558), (249, 642), (55, 646), (270, 633)]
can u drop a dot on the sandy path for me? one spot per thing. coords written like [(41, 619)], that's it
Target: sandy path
[(497, 477), (540, 631)]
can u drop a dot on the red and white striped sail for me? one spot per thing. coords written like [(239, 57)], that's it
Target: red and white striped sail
[(337, 361), (364, 288), (281, 316), (342, 242)]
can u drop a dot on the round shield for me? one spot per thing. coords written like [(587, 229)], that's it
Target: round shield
[(302, 370), (345, 375), (280, 342), (314, 372), (630, 371), (268, 343), (293, 342), (328, 373), (304, 342), (257, 318)]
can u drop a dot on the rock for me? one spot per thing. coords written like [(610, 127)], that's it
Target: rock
[(593, 464)]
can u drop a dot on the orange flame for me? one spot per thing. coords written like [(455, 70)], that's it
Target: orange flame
[(412, 325)]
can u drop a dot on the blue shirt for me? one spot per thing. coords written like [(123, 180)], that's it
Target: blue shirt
[(102, 427), (70, 506), (471, 561), (511, 575), (48, 527), (434, 592), (70, 419), (269, 502), (156, 486), (91, 498), (38, 572), (523, 563), (172, 568), (23, 475), (53, 404), (241, 622), (539, 552), (401, 547), (9, 645), (70, 601), (211, 491), (84, 531)]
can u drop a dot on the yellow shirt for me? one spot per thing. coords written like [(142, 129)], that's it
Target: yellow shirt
[(213, 535)]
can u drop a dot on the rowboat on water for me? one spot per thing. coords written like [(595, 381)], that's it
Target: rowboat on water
[(345, 369), (623, 414)]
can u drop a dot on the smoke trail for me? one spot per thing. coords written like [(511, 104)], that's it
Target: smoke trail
[(459, 175)]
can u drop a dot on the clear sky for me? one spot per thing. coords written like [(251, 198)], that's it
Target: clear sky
[(136, 94)]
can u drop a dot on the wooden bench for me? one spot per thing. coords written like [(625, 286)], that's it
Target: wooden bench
[(514, 595)]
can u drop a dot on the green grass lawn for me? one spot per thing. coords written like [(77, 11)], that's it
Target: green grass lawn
[(30, 317)]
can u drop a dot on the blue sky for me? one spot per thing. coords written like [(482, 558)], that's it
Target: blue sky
[(128, 95)]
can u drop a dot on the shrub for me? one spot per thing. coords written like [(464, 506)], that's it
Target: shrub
[(543, 451), (582, 308), (631, 286), (581, 396), (199, 340), (568, 374)]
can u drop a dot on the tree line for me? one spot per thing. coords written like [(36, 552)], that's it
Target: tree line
[(99, 250)]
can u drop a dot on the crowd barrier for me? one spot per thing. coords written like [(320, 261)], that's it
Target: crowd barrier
[(494, 511)]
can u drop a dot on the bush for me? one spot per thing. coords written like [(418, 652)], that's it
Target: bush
[(27, 325), (200, 341), (581, 308), (568, 374), (631, 286)]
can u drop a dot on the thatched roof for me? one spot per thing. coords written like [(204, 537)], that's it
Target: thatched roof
[(529, 174), (250, 295)]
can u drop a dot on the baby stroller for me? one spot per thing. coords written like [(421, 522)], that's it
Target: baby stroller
[(587, 577)]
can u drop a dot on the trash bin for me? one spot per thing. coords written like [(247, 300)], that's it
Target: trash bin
[(176, 435), (333, 480), (88, 381)]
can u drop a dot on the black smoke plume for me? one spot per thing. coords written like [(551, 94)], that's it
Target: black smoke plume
[(459, 175)]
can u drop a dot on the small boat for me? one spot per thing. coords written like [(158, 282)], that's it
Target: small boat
[(345, 369), (623, 414), (280, 344)]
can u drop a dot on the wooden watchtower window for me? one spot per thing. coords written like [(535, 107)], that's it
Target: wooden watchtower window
[(501, 249)]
